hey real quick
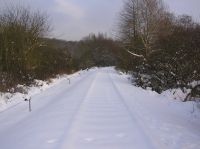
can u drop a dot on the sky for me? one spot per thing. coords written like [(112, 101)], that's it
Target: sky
[(75, 19)]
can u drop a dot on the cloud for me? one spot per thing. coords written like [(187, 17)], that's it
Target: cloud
[(69, 8)]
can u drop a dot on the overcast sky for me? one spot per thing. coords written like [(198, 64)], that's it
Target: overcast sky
[(74, 19)]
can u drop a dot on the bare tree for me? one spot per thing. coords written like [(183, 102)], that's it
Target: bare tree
[(140, 23)]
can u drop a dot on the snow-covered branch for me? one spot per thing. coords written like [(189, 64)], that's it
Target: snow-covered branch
[(137, 55)]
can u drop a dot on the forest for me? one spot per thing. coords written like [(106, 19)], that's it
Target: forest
[(160, 49), (163, 49)]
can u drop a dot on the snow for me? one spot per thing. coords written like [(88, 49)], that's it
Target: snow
[(99, 109), (8, 100), (176, 93)]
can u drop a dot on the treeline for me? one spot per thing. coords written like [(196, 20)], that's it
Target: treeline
[(163, 50), (160, 49), (95, 50), (25, 54)]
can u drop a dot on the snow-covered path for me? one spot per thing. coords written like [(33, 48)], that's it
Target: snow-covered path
[(101, 110), (104, 121)]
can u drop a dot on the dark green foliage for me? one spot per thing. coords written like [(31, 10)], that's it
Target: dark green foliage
[(20, 30), (49, 61)]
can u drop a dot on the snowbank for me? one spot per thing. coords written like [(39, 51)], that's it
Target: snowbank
[(8, 100), (172, 99)]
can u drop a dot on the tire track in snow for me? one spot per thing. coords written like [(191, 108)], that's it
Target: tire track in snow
[(67, 137), (45, 134), (42, 107), (147, 138), (134, 132), (141, 124)]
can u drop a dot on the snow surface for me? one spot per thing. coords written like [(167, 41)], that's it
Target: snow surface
[(8, 100), (99, 109)]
